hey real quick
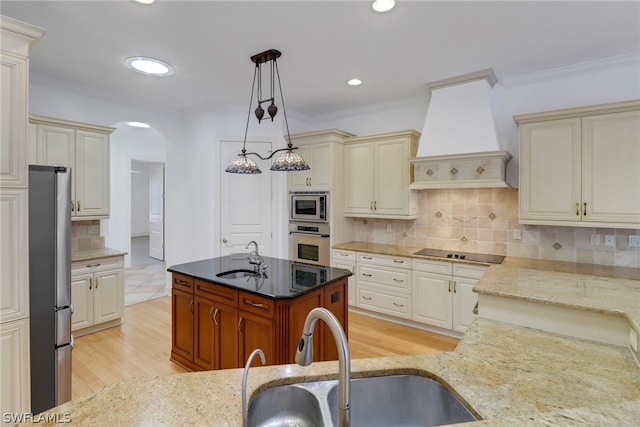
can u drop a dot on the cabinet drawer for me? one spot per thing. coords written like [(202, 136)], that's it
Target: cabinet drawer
[(95, 265), (256, 304), (395, 305), (342, 255), (216, 292), (468, 270), (394, 278), (436, 267), (182, 282), (384, 260)]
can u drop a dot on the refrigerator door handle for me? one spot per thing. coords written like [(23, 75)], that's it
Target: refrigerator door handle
[(63, 326), (63, 237)]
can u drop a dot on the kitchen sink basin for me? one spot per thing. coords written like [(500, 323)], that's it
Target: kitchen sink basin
[(236, 274), (393, 400), (400, 400), (285, 406)]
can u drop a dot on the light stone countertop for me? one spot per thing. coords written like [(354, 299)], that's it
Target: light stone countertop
[(91, 254), (507, 374)]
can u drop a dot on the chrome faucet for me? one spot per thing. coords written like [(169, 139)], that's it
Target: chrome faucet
[(244, 381), (255, 258), (304, 357)]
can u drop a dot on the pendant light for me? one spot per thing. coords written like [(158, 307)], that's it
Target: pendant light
[(288, 160)]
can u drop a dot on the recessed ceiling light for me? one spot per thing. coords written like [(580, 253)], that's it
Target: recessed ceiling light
[(139, 125), (149, 66), (383, 5), (145, 1), (354, 82)]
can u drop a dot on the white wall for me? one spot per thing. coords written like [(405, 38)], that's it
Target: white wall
[(139, 198)]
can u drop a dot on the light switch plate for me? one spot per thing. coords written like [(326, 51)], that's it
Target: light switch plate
[(634, 241), (595, 239), (93, 230), (517, 234)]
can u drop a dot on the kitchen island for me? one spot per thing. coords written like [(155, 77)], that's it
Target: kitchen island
[(222, 310), (507, 375)]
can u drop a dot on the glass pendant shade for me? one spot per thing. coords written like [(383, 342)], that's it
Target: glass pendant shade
[(243, 165), (289, 161)]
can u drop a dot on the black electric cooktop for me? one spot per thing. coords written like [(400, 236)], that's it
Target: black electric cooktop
[(469, 256)]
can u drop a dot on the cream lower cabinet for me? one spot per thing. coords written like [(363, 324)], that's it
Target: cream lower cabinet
[(347, 260), (85, 149), (378, 175), (579, 167), (442, 293), (15, 388), (97, 294), (383, 284)]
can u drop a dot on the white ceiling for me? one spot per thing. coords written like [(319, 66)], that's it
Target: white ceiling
[(323, 44)]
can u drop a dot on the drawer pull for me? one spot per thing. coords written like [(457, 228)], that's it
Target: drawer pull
[(399, 261), (366, 298), (366, 257), (181, 282), (398, 305), (254, 304), (398, 280), (366, 275), (93, 265), (343, 254)]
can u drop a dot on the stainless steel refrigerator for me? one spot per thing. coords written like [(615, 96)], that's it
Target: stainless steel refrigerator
[(50, 286)]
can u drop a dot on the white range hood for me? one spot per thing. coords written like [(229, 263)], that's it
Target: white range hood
[(459, 146)]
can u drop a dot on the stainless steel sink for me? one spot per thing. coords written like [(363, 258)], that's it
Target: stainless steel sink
[(236, 274), (400, 400), (393, 400), (285, 406)]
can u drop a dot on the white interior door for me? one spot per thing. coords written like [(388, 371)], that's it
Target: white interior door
[(245, 201), (156, 211)]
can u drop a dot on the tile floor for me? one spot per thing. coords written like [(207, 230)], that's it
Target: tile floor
[(145, 279)]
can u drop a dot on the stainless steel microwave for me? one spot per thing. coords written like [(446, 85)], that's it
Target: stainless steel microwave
[(307, 206)]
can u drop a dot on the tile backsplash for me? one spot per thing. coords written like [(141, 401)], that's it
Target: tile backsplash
[(484, 220), (86, 235)]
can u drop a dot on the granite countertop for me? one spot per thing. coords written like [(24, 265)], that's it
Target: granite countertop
[(508, 375), (283, 278), (91, 254), (603, 289), (396, 250)]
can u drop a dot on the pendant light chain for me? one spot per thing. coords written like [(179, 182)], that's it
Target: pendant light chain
[(246, 129), (286, 122)]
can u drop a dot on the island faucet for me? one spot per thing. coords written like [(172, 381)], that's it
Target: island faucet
[(255, 258), (304, 357)]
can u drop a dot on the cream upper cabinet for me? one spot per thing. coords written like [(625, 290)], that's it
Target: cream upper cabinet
[(84, 148), (580, 167), (378, 175), (322, 150)]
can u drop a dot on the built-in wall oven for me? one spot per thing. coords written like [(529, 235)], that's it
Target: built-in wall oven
[(309, 243), (309, 206)]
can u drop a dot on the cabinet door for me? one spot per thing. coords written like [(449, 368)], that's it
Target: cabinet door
[(225, 319), (205, 334), (13, 147), (464, 300), (391, 177), (300, 308), (550, 170), (334, 301), (92, 174), (56, 146), (359, 178), (610, 170), (15, 387), (432, 299), (351, 287), (256, 332), (300, 180), (108, 300), (82, 300), (14, 250), (321, 169), (182, 324)]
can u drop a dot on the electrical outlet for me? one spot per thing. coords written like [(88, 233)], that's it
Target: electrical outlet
[(634, 241), (517, 234), (93, 230), (595, 239), (609, 240)]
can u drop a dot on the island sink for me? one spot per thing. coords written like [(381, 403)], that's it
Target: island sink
[(237, 274), (391, 400)]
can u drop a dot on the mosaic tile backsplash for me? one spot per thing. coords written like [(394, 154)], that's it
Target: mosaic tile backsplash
[(484, 219)]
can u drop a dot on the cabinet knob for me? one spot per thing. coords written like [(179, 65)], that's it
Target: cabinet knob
[(225, 240)]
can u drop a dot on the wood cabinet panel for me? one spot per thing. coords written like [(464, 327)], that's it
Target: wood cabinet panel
[(256, 332), (334, 300), (182, 324)]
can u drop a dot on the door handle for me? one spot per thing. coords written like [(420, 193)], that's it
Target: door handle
[(239, 325), (191, 306), (96, 283), (454, 286), (225, 240), (90, 283), (449, 285)]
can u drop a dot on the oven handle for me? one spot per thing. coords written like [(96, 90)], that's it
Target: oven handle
[(308, 234)]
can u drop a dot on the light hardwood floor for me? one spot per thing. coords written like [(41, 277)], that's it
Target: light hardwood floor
[(142, 345)]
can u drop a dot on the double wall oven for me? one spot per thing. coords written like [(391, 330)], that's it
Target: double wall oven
[(309, 228)]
